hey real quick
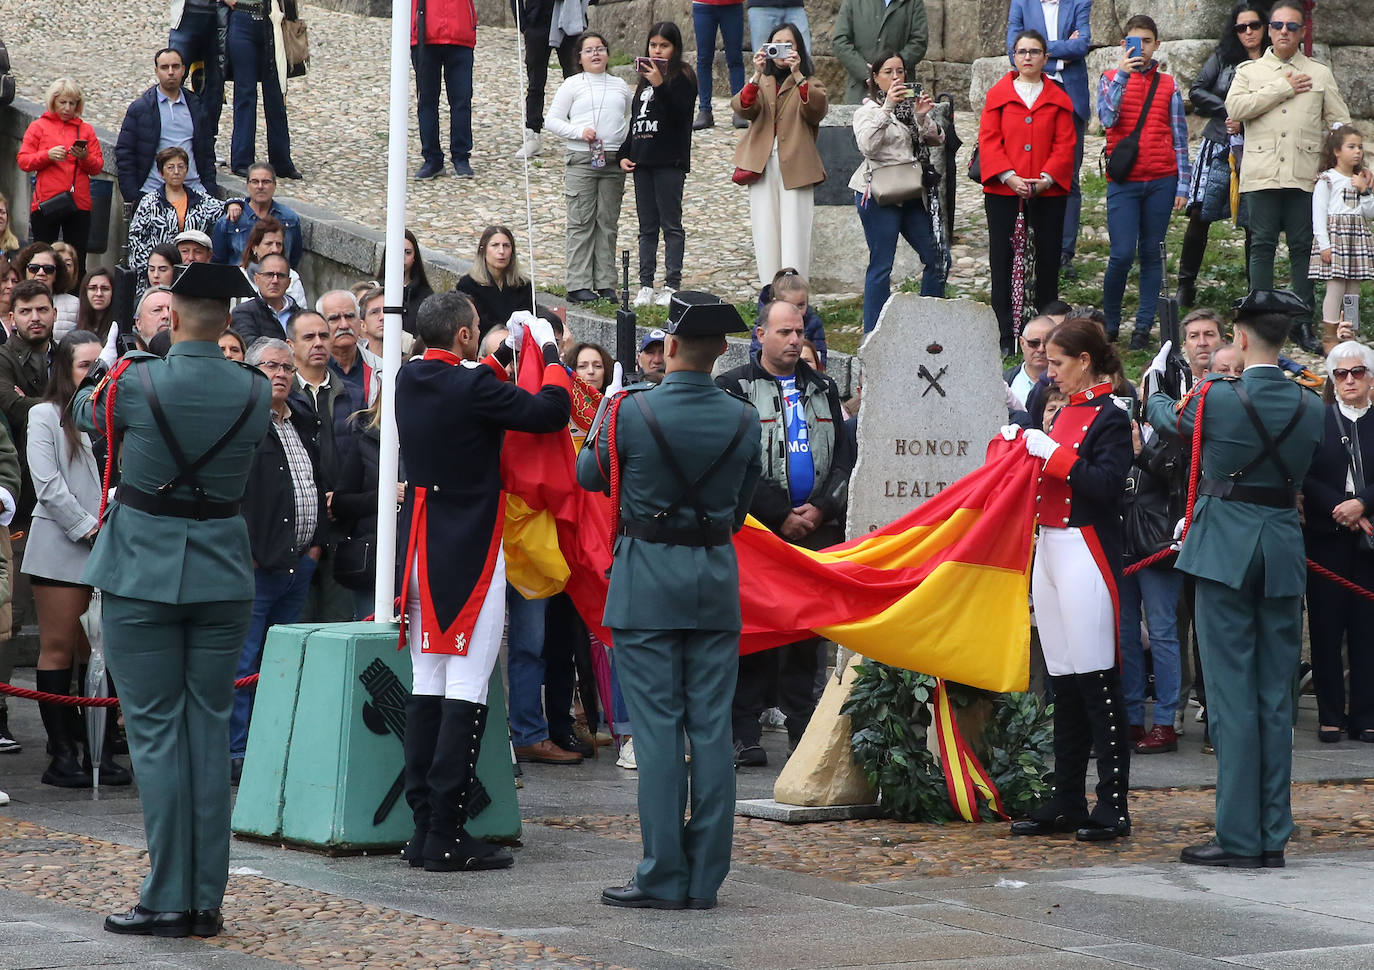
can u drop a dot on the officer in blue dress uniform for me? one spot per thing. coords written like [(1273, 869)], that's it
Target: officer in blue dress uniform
[(688, 455)]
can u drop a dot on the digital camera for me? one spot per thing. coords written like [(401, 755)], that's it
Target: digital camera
[(779, 51)]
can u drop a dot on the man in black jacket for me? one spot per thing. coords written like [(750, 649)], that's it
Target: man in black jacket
[(24, 368), (266, 314), (283, 505), (164, 116), (803, 496)]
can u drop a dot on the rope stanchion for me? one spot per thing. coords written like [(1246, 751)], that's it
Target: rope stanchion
[(72, 700)]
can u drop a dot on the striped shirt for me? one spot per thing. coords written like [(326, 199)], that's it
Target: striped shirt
[(302, 479)]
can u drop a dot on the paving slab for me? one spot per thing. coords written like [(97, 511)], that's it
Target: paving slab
[(1321, 958)]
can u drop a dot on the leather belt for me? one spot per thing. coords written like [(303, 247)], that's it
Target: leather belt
[(1227, 491), (712, 534), (199, 509)]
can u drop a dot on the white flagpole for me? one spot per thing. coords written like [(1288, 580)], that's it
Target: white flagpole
[(389, 462)]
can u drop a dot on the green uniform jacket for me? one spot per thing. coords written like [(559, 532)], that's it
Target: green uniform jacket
[(863, 28), (164, 558), (1224, 535), (656, 586)]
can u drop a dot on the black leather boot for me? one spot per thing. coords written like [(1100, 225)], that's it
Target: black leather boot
[(1066, 808), (1190, 259), (1304, 337), (448, 846), (64, 769), (1106, 710), (423, 714)]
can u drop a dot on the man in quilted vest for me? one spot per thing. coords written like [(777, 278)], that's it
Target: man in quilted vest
[(1138, 208)]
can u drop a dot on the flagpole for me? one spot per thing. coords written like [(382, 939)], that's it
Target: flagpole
[(394, 298)]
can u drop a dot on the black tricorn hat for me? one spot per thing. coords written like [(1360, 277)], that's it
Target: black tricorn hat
[(211, 281), (1263, 302), (693, 313)]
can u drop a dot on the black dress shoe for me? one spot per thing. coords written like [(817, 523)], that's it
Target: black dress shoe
[(1272, 860), (571, 743), (606, 293), (242, 172), (582, 296), (632, 897), (1367, 735), (1330, 735), (1212, 854), (147, 922), (292, 173), (701, 902), (206, 922), (1094, 832), (1030, 826)]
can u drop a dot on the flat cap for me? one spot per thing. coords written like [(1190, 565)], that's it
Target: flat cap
[(1261, 302), (193, 236), (211, 281), (693, 313)]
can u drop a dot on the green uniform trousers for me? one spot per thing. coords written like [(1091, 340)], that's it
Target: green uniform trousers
[(676, 683), (174, 667), (1250, 646)]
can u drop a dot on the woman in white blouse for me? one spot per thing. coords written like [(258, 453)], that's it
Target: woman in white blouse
[(591, 112)]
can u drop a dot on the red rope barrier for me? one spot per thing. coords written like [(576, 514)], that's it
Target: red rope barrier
[(1325, 573), (72, 700)]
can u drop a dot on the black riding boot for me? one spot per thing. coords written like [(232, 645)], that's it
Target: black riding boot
[(1066, 808), (64, 770), (1106, 711), (423, 714), (452, 773), (1190, 259)]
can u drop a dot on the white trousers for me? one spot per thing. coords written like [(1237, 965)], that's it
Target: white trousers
[(781, 220), (1073, 607), (450, 676)]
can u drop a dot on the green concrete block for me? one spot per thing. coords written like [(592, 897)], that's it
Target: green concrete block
[(324, 759)]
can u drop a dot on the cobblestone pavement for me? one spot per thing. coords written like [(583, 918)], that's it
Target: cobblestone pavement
[(338, 120)]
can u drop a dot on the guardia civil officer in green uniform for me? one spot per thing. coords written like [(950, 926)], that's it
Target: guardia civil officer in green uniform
[(1259, 433), (173, 564), (688, 458)]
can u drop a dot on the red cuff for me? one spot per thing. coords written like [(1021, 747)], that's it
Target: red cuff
[(748, 95), (1061, 462), (557, 375), (801, 89), (496, 366)]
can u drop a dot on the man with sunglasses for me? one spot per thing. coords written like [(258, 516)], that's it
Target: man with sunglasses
[(1287, 102), (1023, 379)]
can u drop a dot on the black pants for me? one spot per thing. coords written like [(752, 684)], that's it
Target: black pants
[(74, 228), (784, 676), (1335, 614), (537, 66), (658, 203), (1045, 219), (1195, 246), (564, 631)]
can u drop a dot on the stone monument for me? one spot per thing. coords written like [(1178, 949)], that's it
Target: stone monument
[(933, 397)]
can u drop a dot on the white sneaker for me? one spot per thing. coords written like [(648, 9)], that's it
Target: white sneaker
[(666, 297), (4, 799), (645, 296), (531, 145), (627, 756), (1178, 722)]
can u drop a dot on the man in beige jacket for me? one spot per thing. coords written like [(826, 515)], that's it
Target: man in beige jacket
[(1286, 102)]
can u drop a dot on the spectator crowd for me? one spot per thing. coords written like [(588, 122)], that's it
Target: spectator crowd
[(1277, 131)]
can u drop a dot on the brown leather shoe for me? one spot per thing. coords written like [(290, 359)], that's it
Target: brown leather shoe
[(1161, 738), (547, 753)]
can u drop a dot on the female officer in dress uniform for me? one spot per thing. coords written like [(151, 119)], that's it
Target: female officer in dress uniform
[(1073, 587)]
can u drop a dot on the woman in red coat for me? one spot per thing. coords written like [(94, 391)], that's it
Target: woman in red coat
[(1025, 148), (64, 152)]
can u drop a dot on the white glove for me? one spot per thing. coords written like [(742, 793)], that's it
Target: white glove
[(1009, 432), (8, 507), (1161, 358), (1040, 444), (617, 383), (1177, 544), (541, 330), (516, 326)]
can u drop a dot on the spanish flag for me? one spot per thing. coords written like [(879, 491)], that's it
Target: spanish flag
[(942, 590)]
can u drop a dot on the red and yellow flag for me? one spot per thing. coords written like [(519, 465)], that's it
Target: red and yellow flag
[(943, 590)]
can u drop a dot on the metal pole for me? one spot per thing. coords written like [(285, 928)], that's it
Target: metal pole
[(388, 465)]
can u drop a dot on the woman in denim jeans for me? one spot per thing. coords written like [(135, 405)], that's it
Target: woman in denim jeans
[(708, 16)]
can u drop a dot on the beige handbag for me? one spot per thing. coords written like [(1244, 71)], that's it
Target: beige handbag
[(296, 42), (895, 184)]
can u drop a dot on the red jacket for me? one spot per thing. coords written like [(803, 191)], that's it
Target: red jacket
[(1025, 140), (1156, 158), (48, 131), (446, 22)]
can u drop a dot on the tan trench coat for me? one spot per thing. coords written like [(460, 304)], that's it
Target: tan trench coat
[(796, 123)]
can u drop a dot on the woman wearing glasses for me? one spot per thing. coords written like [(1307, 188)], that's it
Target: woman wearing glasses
[(95, 311), (1026, 142), (63, 153), (1338, 497), (1209, 192), (172, 209), (39, 261), (892, 128)]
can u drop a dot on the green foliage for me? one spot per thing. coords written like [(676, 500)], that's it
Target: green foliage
[(889, 711)]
